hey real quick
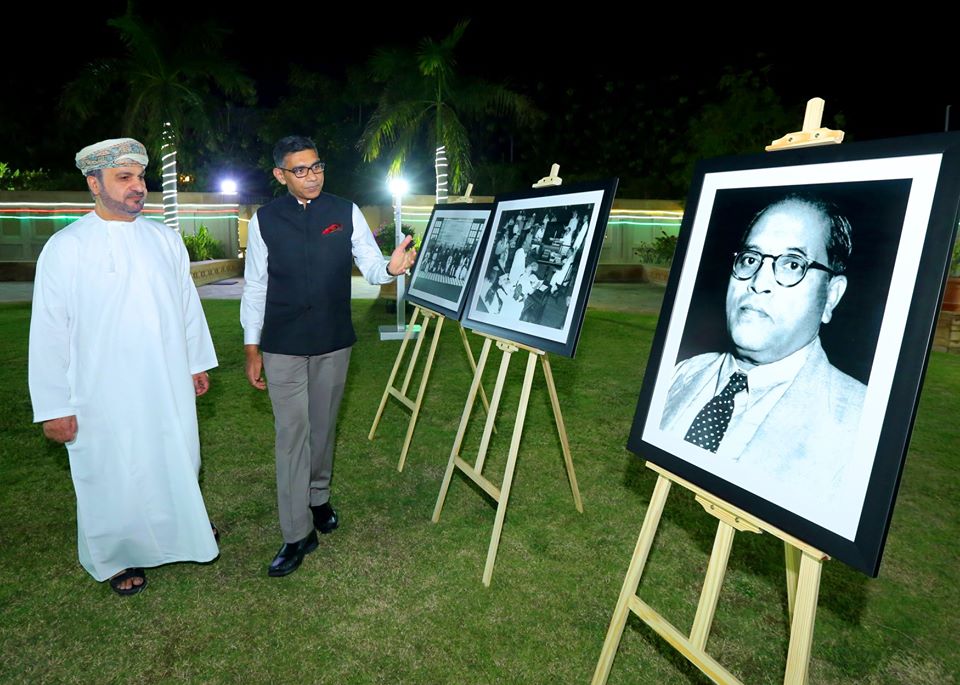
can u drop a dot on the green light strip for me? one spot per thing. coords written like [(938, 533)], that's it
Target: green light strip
[(74, 217), (43, 218), (653, 215), (194, 217), (227, 206), (47, 204), (642, 223)]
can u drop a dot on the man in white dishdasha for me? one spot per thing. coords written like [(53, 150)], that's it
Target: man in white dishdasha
[(119, 349)]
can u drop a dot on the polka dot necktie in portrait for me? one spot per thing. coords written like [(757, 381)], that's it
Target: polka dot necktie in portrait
[(711, 423)]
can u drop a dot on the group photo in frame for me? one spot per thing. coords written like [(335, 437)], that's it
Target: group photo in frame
[(441, 275), (538, 263), (786, 367)]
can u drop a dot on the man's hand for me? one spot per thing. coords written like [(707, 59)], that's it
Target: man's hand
[(63, 429), (402, 259), (201, 383), (255, 367)]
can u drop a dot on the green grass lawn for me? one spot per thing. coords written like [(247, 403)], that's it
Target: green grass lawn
[(392, 598)]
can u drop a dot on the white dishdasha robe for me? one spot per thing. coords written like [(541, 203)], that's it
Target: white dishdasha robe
[(116, 333)]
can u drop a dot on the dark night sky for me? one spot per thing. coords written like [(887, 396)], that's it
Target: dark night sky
[(887, 77)]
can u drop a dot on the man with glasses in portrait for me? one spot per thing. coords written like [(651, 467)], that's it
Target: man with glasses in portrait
[(296, 322), (774, 401)]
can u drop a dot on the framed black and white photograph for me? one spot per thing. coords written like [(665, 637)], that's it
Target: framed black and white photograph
[(441, 274), (538, 264), (787, 363)]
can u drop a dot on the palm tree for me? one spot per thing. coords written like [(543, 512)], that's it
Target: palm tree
[(329, 111), (423, 98), (168, 89)]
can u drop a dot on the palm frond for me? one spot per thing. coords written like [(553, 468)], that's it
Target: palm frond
[(421, 91), (181, 79), (388, 123), (457, 141), (481, 98), (78, 98)]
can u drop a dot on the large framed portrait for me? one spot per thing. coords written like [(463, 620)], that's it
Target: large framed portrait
[(441, 274), (797, 322), (538, 264)]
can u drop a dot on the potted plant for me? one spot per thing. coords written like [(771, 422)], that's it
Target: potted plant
[(385, 235), (951, 296), (657, 257)]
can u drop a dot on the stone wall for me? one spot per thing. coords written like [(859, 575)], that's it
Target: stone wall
[(214, 270), (947, 336)]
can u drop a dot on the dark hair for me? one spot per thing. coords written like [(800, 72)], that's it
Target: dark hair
[(291, 144), (839, 244)]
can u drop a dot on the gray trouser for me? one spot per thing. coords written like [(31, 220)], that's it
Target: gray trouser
[(306, 394)]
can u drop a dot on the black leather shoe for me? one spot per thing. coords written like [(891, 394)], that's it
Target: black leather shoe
[(291, 555), (325, 518)]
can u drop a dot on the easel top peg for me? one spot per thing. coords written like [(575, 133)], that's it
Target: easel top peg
[(509, 345), (465, 198), (736, 517), (811, 134), (552, 180), (712, 507)]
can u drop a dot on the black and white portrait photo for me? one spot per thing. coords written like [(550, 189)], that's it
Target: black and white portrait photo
[(537, 268), (767, 396), (445, 263), (786, 325)]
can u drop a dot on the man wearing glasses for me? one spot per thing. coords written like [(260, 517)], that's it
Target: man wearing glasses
[(295, 314), (774, 400)]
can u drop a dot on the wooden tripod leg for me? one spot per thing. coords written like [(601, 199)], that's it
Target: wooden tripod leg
[(416, 354), (804, 615), (716, 569), (650, 523), (464, 420), (561, 429), (421, 390), (473, 368), (508, 351), (393, 373), (511, 465), (792, 559)]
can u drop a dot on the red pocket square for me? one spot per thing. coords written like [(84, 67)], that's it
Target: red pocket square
[(332, 228)]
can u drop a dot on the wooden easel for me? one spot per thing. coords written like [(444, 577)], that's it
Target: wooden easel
[(812, 132), (803, 562), (466, 198), (803, 566), (475, 472), (401, 393)]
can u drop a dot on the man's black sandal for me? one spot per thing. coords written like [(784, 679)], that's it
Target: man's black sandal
[(129, 574)]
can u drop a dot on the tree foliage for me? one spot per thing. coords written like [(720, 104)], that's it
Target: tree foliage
[(425, 101), (177, 76)]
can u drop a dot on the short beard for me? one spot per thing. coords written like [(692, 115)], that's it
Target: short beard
[(119, 207)]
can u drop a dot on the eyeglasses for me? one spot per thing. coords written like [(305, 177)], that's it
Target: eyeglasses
[(301, 171), (788, 269)]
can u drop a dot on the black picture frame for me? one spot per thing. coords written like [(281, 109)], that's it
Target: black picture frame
[(441, 276), (534, 277), (901, 197)]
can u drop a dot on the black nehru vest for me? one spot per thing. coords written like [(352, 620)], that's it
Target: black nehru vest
[(309, 261)]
